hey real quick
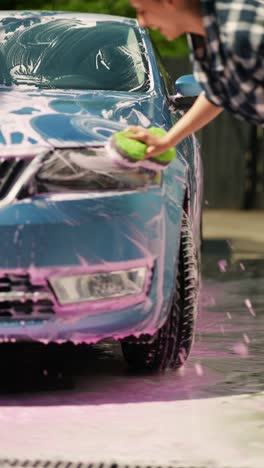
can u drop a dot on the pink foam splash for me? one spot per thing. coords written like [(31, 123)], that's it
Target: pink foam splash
[(250, 307), (222, 264), (241, 349), (199, 369), (246, 338), (207, 300)]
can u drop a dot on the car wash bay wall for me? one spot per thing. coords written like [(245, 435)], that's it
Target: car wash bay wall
[(233, 157)]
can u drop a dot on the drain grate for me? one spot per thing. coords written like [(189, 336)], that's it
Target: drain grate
[(8, 463)]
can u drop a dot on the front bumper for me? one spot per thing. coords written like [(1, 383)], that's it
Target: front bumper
[(87, 322), (52, 237), (82, 323)]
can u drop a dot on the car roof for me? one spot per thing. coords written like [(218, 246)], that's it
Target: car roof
[(67, 14)]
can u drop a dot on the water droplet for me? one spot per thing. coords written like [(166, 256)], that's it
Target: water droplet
[(222, 264), (246, 338), (250, 307), (241, 349), (199, 369)]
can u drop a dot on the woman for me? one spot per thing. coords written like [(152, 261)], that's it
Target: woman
[(227, 42)]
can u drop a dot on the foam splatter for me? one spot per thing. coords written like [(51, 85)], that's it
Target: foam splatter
[(250, 307), (222, 264)]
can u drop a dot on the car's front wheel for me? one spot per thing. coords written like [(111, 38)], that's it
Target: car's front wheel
[(172, 343)]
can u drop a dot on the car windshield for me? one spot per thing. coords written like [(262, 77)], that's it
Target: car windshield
[(72, 54)]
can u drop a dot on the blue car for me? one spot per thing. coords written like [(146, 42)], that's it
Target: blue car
[(90, 250)]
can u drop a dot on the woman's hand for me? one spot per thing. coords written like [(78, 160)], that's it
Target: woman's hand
[(200, 114), (156, 145)]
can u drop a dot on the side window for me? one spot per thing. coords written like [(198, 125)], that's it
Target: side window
[(135, 53)]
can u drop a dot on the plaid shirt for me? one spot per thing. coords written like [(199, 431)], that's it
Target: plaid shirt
[(229, 61)]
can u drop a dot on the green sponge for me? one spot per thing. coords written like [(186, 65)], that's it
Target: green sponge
[(132, 152)]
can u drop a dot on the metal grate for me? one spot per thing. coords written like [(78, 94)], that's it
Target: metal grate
[(8, 463), (10, 170), (21, 299)]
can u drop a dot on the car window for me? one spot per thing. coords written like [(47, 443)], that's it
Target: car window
[(63, 53)]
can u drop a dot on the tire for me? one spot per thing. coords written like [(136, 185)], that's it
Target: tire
[(172, 344)]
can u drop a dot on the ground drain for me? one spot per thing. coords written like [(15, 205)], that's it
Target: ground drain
[(8, 463)]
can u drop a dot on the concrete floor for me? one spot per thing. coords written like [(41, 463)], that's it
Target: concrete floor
[(210, 414)]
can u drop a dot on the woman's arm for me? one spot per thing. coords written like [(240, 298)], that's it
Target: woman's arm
[(199, 115)]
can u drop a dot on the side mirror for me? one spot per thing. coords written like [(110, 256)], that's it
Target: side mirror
[(188, 89), (187, 86)]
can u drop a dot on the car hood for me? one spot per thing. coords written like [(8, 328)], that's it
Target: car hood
[(33, 119)]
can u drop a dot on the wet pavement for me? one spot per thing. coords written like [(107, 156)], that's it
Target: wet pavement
[(81, 404)]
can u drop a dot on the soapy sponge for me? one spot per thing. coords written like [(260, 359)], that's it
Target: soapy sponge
[(131, 153)]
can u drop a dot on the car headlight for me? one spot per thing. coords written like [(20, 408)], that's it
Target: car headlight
[(98, 286), (89, 169)]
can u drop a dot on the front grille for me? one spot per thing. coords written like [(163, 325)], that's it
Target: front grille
[(10, 170), (20, 299)]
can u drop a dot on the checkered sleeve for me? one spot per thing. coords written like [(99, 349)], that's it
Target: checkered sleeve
[(230, 65)]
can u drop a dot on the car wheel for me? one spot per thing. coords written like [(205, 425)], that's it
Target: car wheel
[(172, 344)]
